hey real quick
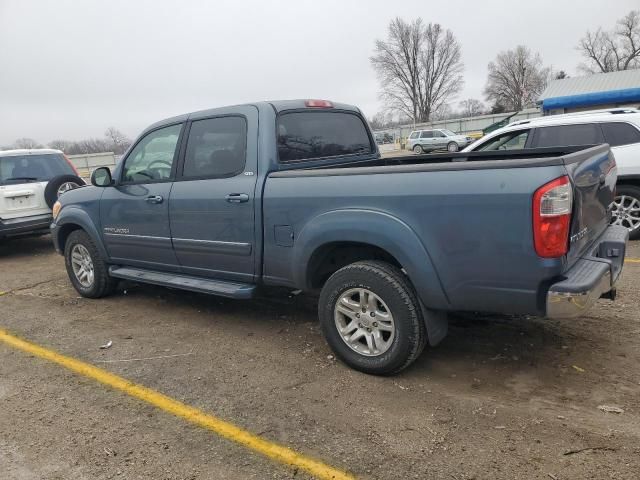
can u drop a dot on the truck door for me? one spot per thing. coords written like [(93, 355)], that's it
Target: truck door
[(135, 212), (211, 207)]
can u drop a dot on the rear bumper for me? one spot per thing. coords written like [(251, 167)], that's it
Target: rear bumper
[(25, 225), (591, 277)]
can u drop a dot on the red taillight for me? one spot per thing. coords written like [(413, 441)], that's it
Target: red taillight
[(73, 167), (319, 104), (552, 218)]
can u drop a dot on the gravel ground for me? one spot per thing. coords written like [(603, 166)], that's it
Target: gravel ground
[(499, 398)]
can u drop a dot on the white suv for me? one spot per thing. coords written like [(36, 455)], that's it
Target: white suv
[(30, 183), (421, 141), (619, 127)]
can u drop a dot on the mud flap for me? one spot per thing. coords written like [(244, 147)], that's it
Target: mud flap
[(437, 324)]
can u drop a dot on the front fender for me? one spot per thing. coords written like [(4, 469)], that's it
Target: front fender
[(73, 215), (375, 228)]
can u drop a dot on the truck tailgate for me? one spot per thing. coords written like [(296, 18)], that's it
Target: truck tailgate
[(593, 176)]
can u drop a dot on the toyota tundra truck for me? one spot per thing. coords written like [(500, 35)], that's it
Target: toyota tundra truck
[(295, 194)]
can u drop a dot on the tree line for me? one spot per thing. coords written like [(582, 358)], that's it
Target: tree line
[(113, 141), (420, 70)]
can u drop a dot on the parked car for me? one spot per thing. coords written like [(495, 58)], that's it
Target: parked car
[(295, 194), (30, 182), (421, 141), (619, 127)]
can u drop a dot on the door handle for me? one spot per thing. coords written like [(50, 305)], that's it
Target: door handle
[(155, 199), (237, 198)]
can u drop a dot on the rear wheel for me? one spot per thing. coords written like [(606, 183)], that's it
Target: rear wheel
[(418, 149), (626, 209), (371, 318), (453, 147), (86, 269)]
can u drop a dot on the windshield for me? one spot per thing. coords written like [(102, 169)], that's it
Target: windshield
[(448, 133), (33, 168)]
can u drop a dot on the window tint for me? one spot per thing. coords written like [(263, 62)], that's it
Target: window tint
[(426, 134), (33, 168), (620, 133), (152, 158), (308, 135), (564, 135), (414, 135), (507, 141), (216, 147)]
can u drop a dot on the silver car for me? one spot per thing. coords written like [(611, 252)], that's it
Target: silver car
[(421, 141)]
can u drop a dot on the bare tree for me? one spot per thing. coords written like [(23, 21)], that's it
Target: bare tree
[(560, 75), (471, 107), (119, 141), (516, 78), (615, 50), (26, 143), (419, 67)]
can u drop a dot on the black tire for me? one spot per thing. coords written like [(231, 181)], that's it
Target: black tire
[(453, 147), (418, 150), (390, 285), (102, 284), (51, 190), (634, 192)]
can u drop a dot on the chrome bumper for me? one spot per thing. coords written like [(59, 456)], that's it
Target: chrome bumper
[(591, 277)]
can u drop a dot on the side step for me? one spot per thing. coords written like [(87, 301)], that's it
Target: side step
[(185, 282)]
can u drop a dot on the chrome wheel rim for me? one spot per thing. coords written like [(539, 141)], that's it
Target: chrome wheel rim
[(453, 147), (82, 265), (626, 212), (417, 149), (66, 186), (364, 322)]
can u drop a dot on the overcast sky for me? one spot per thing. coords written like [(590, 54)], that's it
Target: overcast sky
[(70, 69)]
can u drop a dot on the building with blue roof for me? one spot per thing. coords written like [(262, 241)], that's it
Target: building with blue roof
[(597, 91)]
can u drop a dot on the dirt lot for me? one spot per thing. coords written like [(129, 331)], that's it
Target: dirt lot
[(499, 398)]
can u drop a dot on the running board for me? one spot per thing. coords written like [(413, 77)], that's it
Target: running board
[(185, 282)]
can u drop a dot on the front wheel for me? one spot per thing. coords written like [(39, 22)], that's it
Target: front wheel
[(86, 269), (371, 318), (626, 209)]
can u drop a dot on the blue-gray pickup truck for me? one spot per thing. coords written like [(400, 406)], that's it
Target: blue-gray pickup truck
[(295, 194)]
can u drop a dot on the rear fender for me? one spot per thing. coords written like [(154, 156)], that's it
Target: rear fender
[(378, 229)]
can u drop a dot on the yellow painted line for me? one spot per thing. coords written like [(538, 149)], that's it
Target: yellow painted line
[(632, 260), (225, 429)]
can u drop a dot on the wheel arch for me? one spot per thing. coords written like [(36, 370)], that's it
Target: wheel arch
[(72, 219), (358, 234)]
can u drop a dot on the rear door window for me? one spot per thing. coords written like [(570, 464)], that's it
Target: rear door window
[(216, 148), (566, 135), (426, 134), (319, 134), (620, 133), (33, 168)]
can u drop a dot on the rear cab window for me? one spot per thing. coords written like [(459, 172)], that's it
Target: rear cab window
[(312, 135), (36, 167)]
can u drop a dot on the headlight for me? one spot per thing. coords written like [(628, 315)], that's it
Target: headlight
[(56, 209)]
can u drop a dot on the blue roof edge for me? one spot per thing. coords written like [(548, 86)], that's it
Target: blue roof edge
[(593, 98)]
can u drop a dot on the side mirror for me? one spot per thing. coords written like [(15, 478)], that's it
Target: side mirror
[(101, 177)]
